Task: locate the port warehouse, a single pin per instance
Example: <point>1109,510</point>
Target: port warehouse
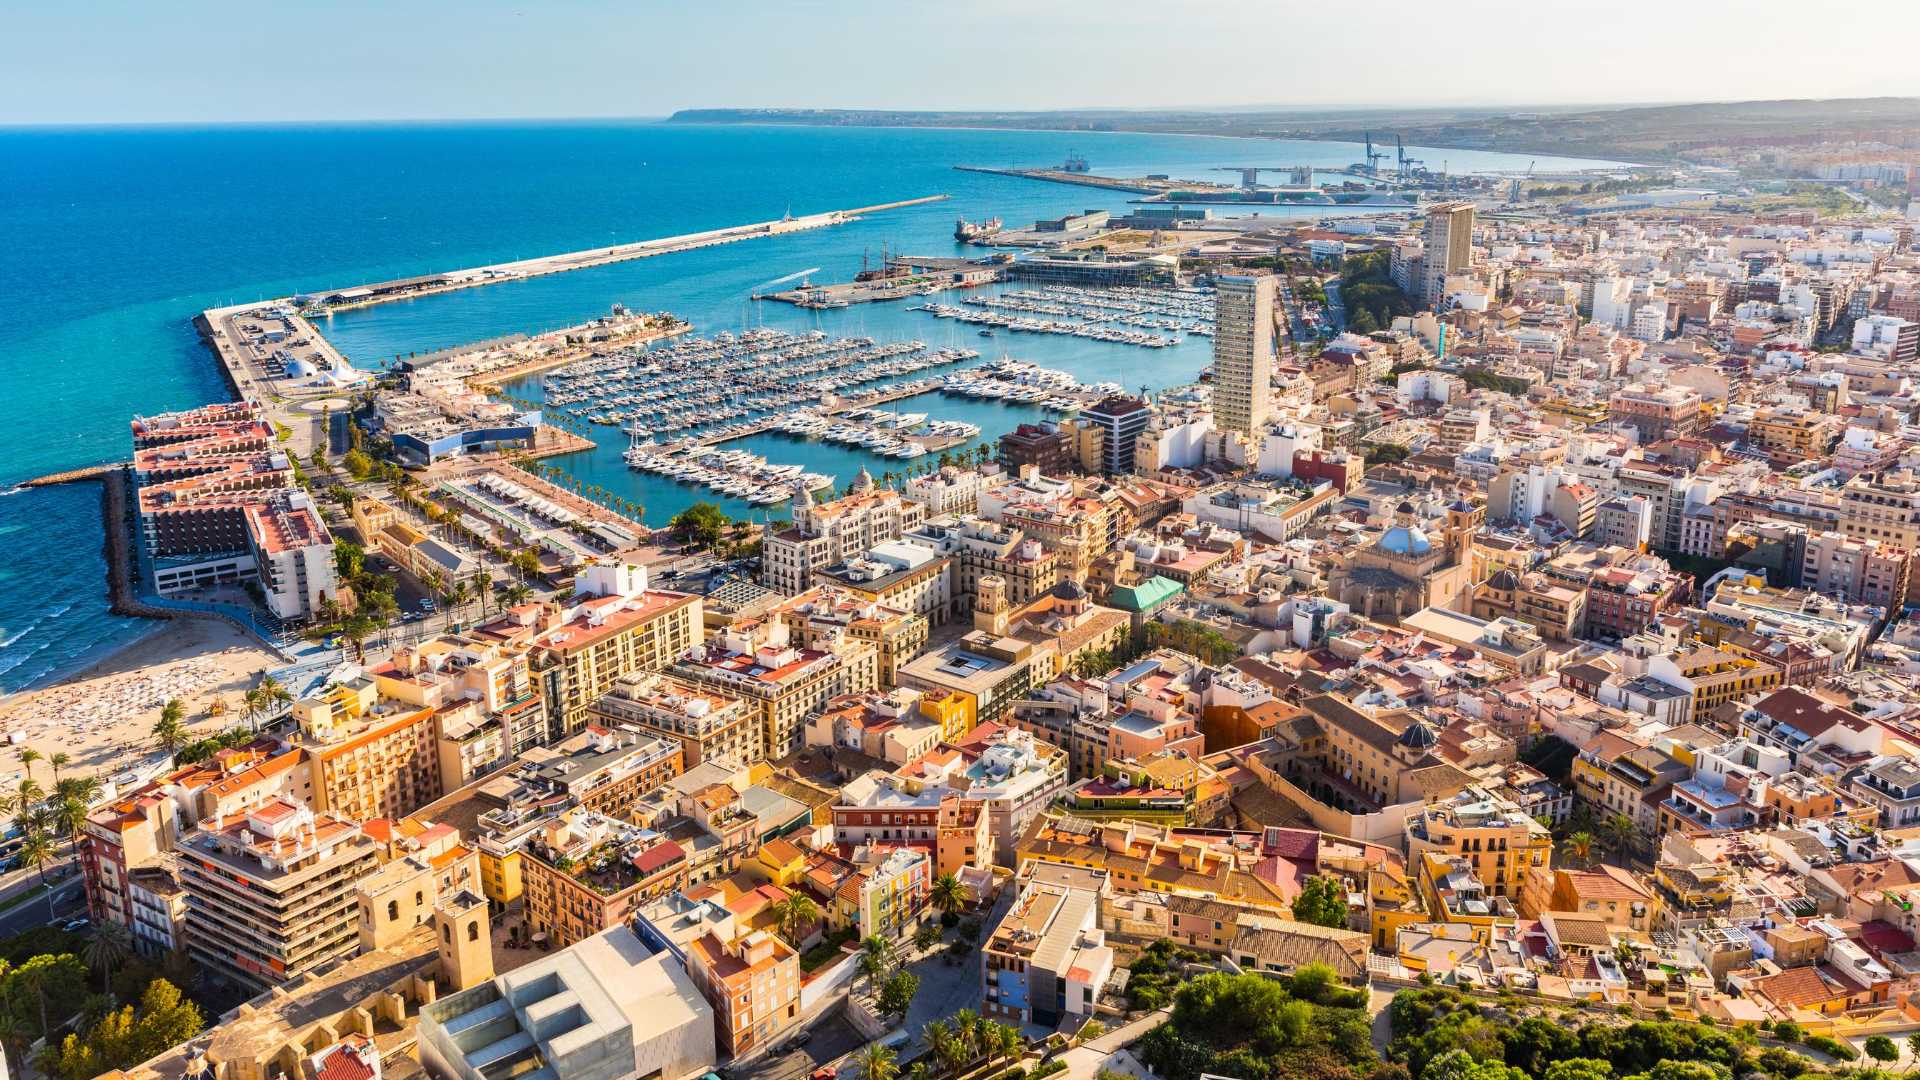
<point>1092,268</point>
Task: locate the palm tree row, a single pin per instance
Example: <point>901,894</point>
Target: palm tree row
<point>967,1038</point>
<point>39,815</point>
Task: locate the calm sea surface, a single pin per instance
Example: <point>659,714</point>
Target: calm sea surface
<point>117,237</point>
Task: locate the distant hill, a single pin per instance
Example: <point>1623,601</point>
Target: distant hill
<point>1640,133</point>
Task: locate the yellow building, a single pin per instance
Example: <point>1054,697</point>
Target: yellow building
<point>1454,894</point>
<point>1502,844</point>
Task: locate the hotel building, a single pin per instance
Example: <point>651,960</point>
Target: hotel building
<point>217,503</point>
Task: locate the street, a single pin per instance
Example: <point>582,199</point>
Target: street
<point>70,899</point>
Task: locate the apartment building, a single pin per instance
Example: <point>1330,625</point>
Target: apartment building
<point>833,532</point>
<point>978,547</point>
<point>1658,412</point>
<point>898,575</point>
<point>706,723</point>
<point>1500,841</point>
<point>1447,249</point>
<point>122,836</point>
<point>1243,352</point>
<point>614,626</point>
<point>825,615</point>
<point>370,756</point>
<point>1047,959</point>
<point>783,684</point>
<point>951,490</point>
<point>1863,571</point>
<point>270,894</point>
<point>1884,507</point>
<point>605,770</point>
<point>1794,431</point>
<point>752,980</point>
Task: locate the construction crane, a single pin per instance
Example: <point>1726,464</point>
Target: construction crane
<point>1297,175</point>
<point>1373,158</point>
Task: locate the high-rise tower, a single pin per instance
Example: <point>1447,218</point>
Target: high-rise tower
<point>1242,352</point>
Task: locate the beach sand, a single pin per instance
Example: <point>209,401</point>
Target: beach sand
<point>102,717</point>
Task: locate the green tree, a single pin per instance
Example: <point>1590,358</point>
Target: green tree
<point>170,731</point>
<point>358,463</point>
<point>1579,1069</point>
<point>1322,902</point>
<point>1881,1048</point>
<point>896,994</point>
<point>701,524</point>
<point>127,1036</point>
<point>349,559</point>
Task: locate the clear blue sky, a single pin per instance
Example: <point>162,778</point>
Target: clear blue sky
<point>88,61</point>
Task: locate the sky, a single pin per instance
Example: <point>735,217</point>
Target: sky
<point>202,61</point>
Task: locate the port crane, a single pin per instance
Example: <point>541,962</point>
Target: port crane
<point>1373,157</point>
<point>1406,163</point>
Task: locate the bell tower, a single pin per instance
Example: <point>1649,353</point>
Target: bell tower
<point>463,933</point>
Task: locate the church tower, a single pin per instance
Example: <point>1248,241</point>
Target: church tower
<point>990,605</point>
<point>464,936</point>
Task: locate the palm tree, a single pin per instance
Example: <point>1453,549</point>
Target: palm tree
<point>108,948</point>
<point>949,895</point>
<point>27,757</point>
<point>35,980</point>
<point>939,1039</point>
<point>170,731</point>
<point>37,851</point>
<point>253,702</point>
<point>71,813</point>
<point>966,1029</point>
<point>796,913</point>
<point>876,1062</point>
<point>1621,832</point>
<point>484,583</point>
<point>273,694</point>
<point>58,760</point>
<point>1578,847</point>
<point>876,960</point>
<point>1011,1044</point>
<point>519,593</point>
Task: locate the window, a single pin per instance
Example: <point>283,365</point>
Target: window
<point>473,930</point>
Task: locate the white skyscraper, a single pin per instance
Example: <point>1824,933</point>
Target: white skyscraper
<point>1243,352</point>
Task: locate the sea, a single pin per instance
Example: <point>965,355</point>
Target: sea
<point>118,236</point>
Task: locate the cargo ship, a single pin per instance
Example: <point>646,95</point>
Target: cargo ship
<point>964,230</point>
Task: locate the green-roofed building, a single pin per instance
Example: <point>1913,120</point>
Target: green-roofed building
<point>1142,600</point>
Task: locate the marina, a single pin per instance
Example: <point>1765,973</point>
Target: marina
<point>697,386</point>
<point>1151,318</point>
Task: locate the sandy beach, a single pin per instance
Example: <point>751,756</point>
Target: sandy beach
<point>102,717</point>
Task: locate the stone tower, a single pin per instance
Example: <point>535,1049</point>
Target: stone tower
<point>990,605</point>
<point>464,936</point>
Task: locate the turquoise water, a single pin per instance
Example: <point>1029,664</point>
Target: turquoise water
<point>118,236</point>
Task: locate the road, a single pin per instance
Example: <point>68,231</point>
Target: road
<point>1336,309</point>
<point>69,899</point>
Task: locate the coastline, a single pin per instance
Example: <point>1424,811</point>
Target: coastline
<point>101,714</point>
